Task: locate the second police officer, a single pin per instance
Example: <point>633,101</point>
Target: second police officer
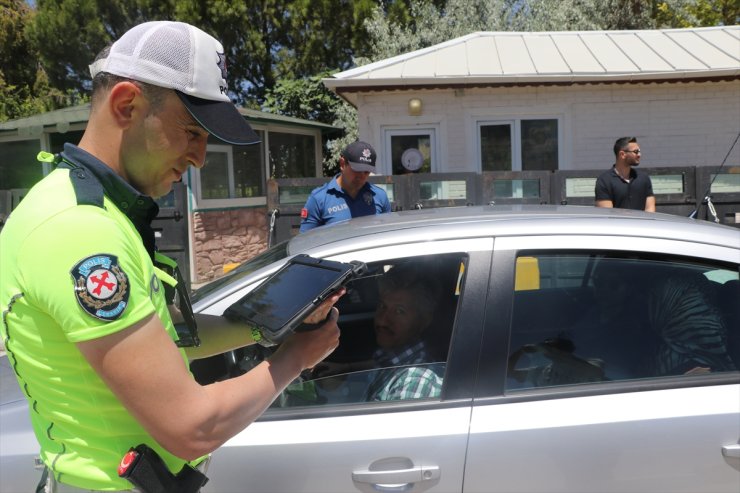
<point>348,194</point>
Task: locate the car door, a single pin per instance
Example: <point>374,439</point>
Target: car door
<point>344,444</point>
<point>577,404</point>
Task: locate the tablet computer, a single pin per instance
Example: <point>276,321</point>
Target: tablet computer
<point>278,306</point>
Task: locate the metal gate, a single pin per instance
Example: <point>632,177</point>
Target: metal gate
<point>171,228</point>
<point>724,190</point>
<point>676,192</point>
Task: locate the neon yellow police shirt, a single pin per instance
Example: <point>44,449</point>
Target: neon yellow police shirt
<point>72,273</point>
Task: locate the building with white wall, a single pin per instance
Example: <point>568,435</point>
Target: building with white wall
<point>502,101</point>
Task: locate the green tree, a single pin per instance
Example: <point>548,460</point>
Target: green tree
<point>698,13</point>
<point>269,41</point>
<point>24,87</point>
<point>716,12</point>
<point>303,98</point>
<point>309,99</point>
<point>430,23</point>
<point>70,33</point>
<point>265,40</point>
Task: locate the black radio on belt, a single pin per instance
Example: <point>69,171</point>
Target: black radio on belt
<point>146,470</point>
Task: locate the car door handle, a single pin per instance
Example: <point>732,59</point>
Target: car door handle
<point>398,476</point>
<point>731,451</point>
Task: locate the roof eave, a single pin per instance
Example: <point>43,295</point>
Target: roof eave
<point>346,87</point>
<point>338,84</point>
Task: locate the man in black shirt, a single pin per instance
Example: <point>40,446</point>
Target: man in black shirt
<point>622,186</point>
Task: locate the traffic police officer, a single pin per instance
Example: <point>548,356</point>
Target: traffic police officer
<point>348,194</point>
<point>86,324</point>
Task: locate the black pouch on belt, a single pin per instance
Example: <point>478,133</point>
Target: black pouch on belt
<point>146,470</point>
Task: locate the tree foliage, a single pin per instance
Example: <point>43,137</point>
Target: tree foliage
<point>70,33</point>
<point>698,13</point>
<point>265,40</point>
<point>309,99</point>
<point>24,86</point>
<point>278,50</point>
<point>430,23</point>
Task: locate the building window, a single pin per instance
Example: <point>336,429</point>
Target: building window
<point>236,176</point>
<point>217,176</point>
<point>496,151</point>
<point>292,155</point>
<point>19,167</point>
<point>410,151</point>
<point>233,176</point>
<point>57,140</point>
<point>519,145</point>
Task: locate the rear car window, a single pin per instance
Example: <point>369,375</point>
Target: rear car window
<point>587,318</point>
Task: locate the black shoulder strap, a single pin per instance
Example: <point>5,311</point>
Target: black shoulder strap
<point>88,189</point>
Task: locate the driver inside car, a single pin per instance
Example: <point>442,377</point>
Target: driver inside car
<point>408,297</point>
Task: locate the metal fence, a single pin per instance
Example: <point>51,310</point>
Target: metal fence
<point>680,191</point>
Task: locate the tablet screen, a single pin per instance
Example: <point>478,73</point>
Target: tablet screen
<point>289,291</point>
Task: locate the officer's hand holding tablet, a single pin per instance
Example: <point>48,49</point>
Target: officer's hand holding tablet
<point>298,297</point>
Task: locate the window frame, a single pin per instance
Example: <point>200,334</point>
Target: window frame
<point>468,326</point>
<point>450,258</point>
<point>385,164</point>
<point>495,344</point>
<point>316,134</point>
<point>193,177</point>
<point>202,203</point>
<point>515,124</point>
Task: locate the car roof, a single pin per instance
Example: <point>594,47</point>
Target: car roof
<point>506,220</point>
<point>452,223</point>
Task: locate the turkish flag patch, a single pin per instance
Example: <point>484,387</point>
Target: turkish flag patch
<point>304,213</point>
<point>101,286</point>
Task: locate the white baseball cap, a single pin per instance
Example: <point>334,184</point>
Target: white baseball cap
<point>179,56</point>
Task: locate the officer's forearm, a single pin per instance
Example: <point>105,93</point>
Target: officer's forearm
<point>218,335</point>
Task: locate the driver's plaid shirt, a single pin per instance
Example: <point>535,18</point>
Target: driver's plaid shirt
<point>400,379</point>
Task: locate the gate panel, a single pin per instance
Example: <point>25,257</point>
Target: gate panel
<point>723,186</point>
<point>429,190</point>
<point>171,228</point>
<point>674,189</point>
<point>515,187</point>
<point>285,199</point>
<point>574,187</point>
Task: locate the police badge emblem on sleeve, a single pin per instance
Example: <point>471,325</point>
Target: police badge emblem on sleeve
<point>101,286</point>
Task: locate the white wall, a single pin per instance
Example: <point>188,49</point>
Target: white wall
<point>676,124</point>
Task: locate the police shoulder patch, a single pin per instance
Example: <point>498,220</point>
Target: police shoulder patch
<point>101,286</point>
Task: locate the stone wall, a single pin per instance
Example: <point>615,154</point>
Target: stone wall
<point>224,237</point>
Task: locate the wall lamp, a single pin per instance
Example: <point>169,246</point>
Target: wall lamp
<point>415,107</point>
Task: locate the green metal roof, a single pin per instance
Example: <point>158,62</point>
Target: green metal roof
<point>81,113</point>
<point>74,114</point>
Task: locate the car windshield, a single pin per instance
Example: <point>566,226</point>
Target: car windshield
<point>278,252</point>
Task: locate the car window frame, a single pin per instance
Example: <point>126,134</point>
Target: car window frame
<point>492,367</point>
<point>462,357</point>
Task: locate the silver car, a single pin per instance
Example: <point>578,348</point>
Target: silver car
<point>580,350</point>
